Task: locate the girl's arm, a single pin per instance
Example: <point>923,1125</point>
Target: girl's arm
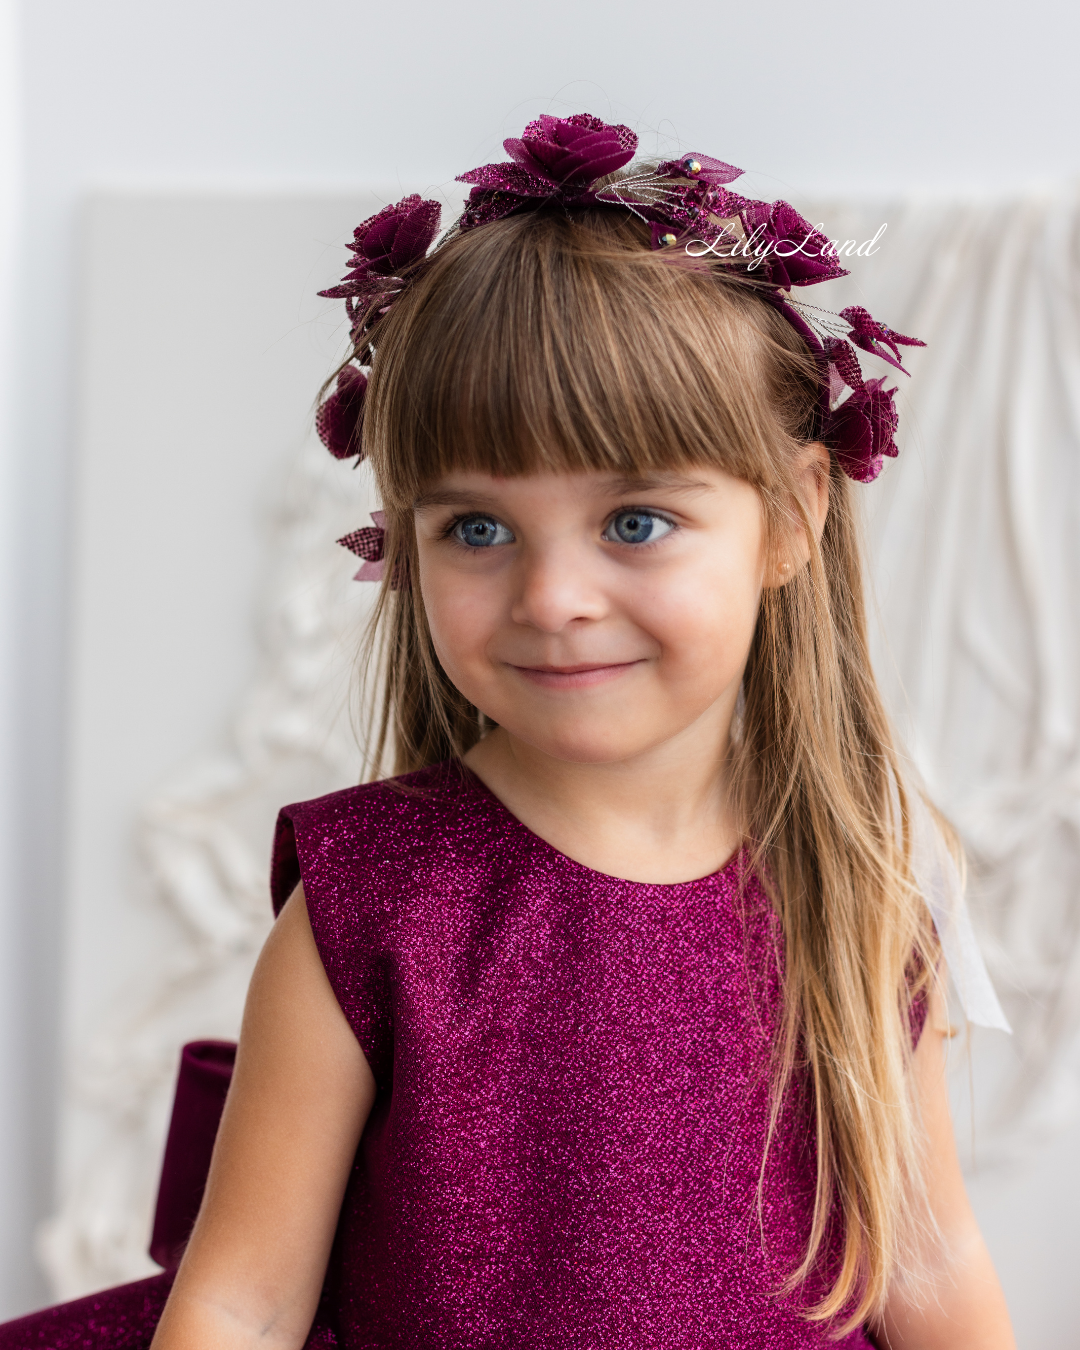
<point>300,1095</point>
<point>965,1307</point>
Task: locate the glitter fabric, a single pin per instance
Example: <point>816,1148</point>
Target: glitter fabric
<point>568,1135</point>
<point>567,1140</point>
<point>116,1319</point>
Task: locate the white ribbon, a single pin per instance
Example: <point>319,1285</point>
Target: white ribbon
<point>938,878</point>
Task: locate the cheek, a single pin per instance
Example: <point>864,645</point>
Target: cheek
<point>703,621</point>
<point>462,616</point>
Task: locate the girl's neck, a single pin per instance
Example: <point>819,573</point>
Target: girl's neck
<point>661,817</point>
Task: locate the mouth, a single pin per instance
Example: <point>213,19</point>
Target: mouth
<point>580,676</point>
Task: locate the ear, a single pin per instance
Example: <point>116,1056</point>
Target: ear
<point>793,551</point>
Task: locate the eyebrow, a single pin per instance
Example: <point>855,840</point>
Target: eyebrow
<point>618,486</point>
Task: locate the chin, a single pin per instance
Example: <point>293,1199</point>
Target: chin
<point>585,745</point>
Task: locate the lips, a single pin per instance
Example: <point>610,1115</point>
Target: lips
<point>580,676</point>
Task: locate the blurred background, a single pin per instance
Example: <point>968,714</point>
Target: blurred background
<point>177,628</point>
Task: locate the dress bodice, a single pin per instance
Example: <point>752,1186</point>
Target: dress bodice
<point>573,1087</point>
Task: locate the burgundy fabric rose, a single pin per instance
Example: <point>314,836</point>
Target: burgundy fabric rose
<point>862,430</point>
<point>340,419</point>
<point>383,246</point>
<point>385,243</point>
<point>874,337</point>
<point>793,253</point>
<point>573,150</point>
<point>555,157</point>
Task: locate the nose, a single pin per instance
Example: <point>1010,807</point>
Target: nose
<point>556,587</point>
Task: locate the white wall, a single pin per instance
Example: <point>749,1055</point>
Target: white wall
<point>185,434</point>
<point>328,94</point>
<point>20,1040</point>
<point>187,439</point>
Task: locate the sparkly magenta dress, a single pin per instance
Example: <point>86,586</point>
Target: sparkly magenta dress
<point>567,1141</point>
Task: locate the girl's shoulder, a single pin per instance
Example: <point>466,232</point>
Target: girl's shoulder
<point>386,828</point>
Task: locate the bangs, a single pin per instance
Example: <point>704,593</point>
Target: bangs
<point>552,341</point>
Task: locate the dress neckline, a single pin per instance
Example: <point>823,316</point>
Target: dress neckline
<point>734,864</point>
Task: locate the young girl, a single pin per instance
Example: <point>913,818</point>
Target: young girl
<point>615,1020</point>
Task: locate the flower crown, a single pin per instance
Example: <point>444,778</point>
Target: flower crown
<point>685,202</point>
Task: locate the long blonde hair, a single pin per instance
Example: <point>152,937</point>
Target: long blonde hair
<point>559,340</point>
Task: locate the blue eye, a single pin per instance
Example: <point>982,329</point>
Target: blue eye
<point>481,532</point>
<point>637,527</point>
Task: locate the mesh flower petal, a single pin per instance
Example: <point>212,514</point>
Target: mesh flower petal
<point>415,234</point>
<point>499,190</point>
<point>708,170</point>
<point>369,543</point>
<point>485,206</point>
<point>506,177</point>
<point>572,150</point>
<point>374,248</point>
<point>862,430</point>
<point>357,283</point>
<point>874,337</point>
<point>340,419</point>
<point>842,355</point>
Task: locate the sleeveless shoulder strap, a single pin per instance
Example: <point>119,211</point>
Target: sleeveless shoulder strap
<point>358,853</point>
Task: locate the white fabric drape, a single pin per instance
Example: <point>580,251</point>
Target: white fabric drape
<point>975,550</point>
<point>975,553</point>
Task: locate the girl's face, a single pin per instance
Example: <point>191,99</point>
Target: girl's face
<point>592,616</point>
